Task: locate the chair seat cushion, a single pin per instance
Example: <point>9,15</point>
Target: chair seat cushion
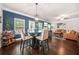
<point>28,37</point>
<point>39,37</point>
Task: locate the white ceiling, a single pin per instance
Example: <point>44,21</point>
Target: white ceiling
<point>47,11</point>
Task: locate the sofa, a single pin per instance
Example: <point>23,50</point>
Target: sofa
<point>59,32</point>
<point>72,35</point>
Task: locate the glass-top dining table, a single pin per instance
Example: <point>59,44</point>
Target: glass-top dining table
<point>35,41</point>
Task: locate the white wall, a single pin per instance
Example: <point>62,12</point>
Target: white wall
<point>73,24</point>
<point>0,23</point>
<point>70,24</point>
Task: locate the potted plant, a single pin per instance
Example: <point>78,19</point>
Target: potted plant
<point>7,25</point>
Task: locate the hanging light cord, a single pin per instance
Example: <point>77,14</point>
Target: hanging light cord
<point>36,8</point>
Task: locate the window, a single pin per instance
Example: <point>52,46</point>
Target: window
<point>31,26</point>
<point>45,24</point>
<point>49,26</point>
<point>19,25</point>
<point>39,27</point>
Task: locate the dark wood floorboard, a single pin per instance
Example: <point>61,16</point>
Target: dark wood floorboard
<point>56,47</point>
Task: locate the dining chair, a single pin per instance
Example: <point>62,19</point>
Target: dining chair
<point>44,40</point>
<point>26,41</point>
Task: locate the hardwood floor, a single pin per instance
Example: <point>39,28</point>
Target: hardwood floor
<point>56,47</point>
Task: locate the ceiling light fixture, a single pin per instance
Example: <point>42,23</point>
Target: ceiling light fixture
<point>62,17</point>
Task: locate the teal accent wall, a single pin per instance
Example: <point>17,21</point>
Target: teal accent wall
<point>8,20</point>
